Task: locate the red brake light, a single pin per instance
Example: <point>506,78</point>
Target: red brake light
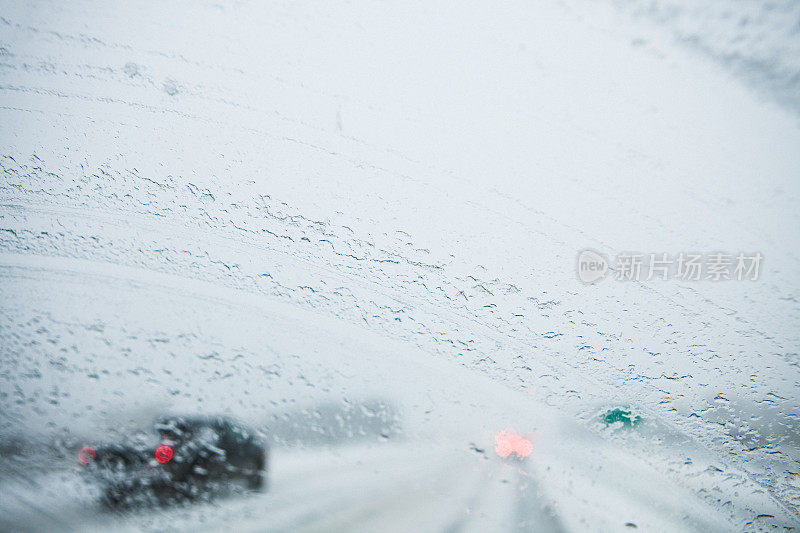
<point>86,455</point>
<point>163,454</point>
<point>508,442</point>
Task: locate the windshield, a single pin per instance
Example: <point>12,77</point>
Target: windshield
<point>418,266</point>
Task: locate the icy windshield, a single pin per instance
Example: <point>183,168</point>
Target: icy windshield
<point>417,266</point>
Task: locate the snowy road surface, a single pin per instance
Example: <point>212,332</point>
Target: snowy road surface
<point>263,208</point>
<point>430,489</point>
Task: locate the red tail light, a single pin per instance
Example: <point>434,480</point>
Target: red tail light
<point>508,442</point>
<point>163,454</point>
<point>86,455</point>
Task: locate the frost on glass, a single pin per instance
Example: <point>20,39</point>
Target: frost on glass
<point>351,233</point>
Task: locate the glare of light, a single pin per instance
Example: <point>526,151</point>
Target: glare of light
<point>507,442</point>
<point>163,454</point>
<point>86,455</point>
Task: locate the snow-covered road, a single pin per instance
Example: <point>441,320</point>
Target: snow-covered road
<point>264,207</point>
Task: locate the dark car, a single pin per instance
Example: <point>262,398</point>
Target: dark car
<point>194,457</point>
